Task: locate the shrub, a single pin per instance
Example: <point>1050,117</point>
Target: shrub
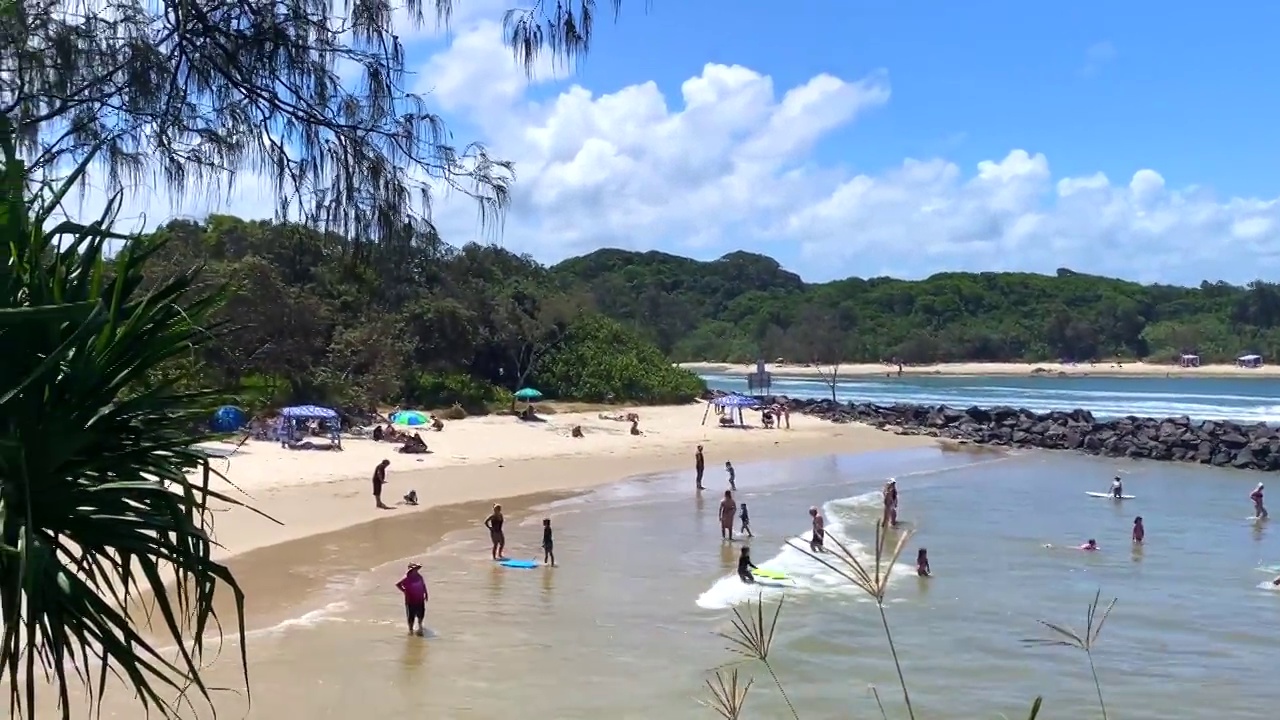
<point>444,390</point>
<point>600,360</point>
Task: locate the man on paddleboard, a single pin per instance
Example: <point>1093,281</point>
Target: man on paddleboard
<point>1117,488</point>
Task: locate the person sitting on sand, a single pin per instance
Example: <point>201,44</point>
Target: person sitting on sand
<point>377,433</point>
<point>635,427</point>
<point>1090,546</point>
<point>728,509</point>
<point>496,536</point>
<point>922,563</point>
<point>414,587</point>
<point>414,446</point>
<point>436,423</point>
<point>745,566</point>
<point>819,533</point>
<point>411,498</point>
<point>1139,531</point>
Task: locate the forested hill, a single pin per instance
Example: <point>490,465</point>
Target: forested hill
<point>743,306</point>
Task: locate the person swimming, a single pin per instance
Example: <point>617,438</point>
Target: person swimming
<point>922,563</point>
<point>1259,510</point>
<point>745,566</point>
<point>1117,488</point>
<point>1139,531</point>
<point>1090,546</point>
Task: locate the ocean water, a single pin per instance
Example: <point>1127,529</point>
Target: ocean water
<point>627,626</point>
<point>1240,399</point>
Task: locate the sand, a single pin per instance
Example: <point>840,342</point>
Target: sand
<point>980,369</point>
<point>496,458</point>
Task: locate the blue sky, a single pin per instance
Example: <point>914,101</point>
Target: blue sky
<point>866,138</point>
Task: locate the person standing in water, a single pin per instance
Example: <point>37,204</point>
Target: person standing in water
<point>699,465</point>
<point>414,587</point>
<point>1259,511</point>
<point>728,467</point>
<point>819,533</point>
<point>922,563</point>
<point>890,516</point>
<point>728,511</point>
<point>745,566</point>
<point>746,522</point>
<point>548,545</point>
<point>496,536</point>
<point>1139,532</point>
<point>380,479</point>
<point>1117,488</point>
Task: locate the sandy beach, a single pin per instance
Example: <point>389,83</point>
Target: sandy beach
<point>495,458</point>
<point>978,369</point>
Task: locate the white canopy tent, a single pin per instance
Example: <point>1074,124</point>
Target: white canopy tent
<point>1189,361</point>
<point>1249,361</point>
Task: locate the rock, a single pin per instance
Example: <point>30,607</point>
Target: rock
<point>1180,439</point>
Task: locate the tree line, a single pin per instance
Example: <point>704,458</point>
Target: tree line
<point>308,318</point>
<point>744,306</point>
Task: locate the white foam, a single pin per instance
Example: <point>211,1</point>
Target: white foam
<point>1268,585</point>
<point>309,619</point>
<point>805,574</point>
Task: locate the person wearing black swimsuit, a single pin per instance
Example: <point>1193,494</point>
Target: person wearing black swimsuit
<point>494,523</point>
<point>745,566</point>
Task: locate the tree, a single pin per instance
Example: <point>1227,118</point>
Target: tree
<point>817,335</point>
<point>104,496</point>
<point>191,93</point>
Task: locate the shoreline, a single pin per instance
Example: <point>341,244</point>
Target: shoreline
<point>333,522</point>
<point>982,369</point>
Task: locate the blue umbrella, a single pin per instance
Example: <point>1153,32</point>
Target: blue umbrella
<point>527,394</point>
<point>410,417</point>
<point>735,400</point>
<point>227,418</point>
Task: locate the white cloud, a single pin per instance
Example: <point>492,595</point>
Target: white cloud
<point>732,162</point>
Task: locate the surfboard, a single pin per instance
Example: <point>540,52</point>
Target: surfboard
<point>770,574</point>
<point>521,564</point>
<point>1109,496</point>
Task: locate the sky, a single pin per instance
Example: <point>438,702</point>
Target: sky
<point>873,137</point>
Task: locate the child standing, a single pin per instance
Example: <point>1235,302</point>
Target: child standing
<point>548,545</point>
<point>746,521</point>
<point>922,563</point>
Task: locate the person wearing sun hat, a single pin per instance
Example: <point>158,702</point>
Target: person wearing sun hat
<point>414,587</point>
<point>1259,510</point>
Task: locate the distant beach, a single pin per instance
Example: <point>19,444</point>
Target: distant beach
<point>980,369</point>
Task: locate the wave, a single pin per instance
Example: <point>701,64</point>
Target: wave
<point>805,574</point>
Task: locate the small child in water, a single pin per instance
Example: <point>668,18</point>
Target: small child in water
<point>548,546</point>
<point>745,566</point>
<point>746,521</point>
<point>1090,546</point>
<point>922,563</point>
<point>1139,532</point>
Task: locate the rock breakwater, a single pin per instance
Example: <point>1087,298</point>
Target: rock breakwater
<point>1209,442</point>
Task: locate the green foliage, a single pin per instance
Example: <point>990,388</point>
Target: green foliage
<point>443,390</point>
<point>421,323</point>
<point>600,359</point>
<point>743,307</point>
<point>104,498</point>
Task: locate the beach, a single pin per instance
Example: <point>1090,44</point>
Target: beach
<point>626,625</point>
<point>306,493</point>
<point>1133,369</point>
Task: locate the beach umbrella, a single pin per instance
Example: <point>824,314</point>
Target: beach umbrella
<point>410,417</point>
<point>227,418</point>
<point>527,394</point>
<point>735,401</point>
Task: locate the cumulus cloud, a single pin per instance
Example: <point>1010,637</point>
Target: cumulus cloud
<point>731,161</point>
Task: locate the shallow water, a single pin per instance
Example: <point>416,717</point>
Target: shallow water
<point>626,626</point>
<point>1244,399</point>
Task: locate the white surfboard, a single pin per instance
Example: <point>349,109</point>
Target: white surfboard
<point>1109,495</point>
